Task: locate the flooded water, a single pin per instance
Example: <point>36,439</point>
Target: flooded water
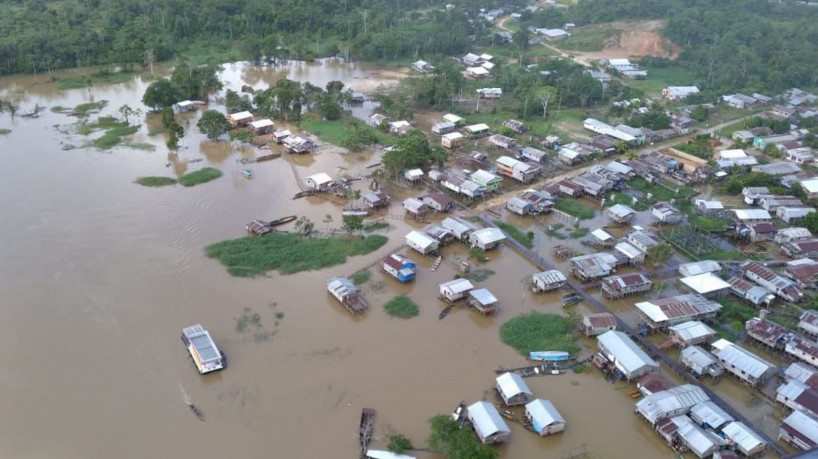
<point>98,275</point>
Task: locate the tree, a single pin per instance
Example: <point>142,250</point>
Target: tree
<point>660,254</point>
<point>521,38</point>
<point>161,93</point>
<point>811,222</point>
<point>413,151</point>
<point>700,113</point>
<point>236,102</point>
<point>353,223</point>
<point>213,124</point>
<point>398,443</point>
<point>329,108</point>
<point>544,95</point>
<point>451,441</point>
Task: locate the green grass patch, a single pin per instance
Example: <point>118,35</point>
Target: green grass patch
<point>554,231</point>
<point>660,78</point>
<point>140,146</point>
<point>5,131</point>
<point>83,110</point>
<point>735,313</point>
<point>156,181</point>
<point>113,137</point>
<point>288,253</point>
<point>479,275</point>
<point>398,443</point>
<point>622,198</point>
<point>575,208</point>
<point>402,307</point>
<point>102,123</point>
<point>102,77</point>
<point>526,239</point>
<point>201,176</point>
<point>337,132</point>
<point>579,232</point>
<point>361,277</point>
<point>537,331</point>
<point>375,226</point>
<point>592,38</point>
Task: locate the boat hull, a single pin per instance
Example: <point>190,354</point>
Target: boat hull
<point>549,356</point>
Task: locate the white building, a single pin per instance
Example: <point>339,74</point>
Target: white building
<point>544,417</point>
<point>513,390</point>
<point>625,355</point>
<point>487,423</point>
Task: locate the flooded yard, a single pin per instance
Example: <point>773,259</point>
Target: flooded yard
<point>99,275</point>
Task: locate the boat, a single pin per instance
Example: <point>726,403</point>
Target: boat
<point>247,173</point>
<point>302,194</point>
<point>348,294</point>
<point>381,454</point>
<point>548,356</point>
<point>282,220</point>
<point>268,157</point>
<point>355,213</point>
<point>258,227</point>
<point>460,412</point>
<point>203,350</point>
<point>445,312</point>
<point>572,299</point>
<point>366,428</point>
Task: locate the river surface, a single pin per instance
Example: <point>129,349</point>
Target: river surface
<point>98,275</point>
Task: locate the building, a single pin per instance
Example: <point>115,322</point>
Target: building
<point>802,373</point>
<point>642,239</point>
<point>501,141</point>
<point>533,154</point>
<point>691,333</point>
<point>183,107</point>
<point>463,186</point>
<point>807,248</point>
<point>803,349</point>
<point>628,358</point>
<point>400,267</point>
<point>679,92</point>
<point>773,282</point>
<point>452,118</point>
<point>742,363</point>
<point>792,234</point>
<point>487,423</point>
<point>709,415</point>
<point>771,203</point>
<point>455,290</point>
<point>298,145</point>
<point>548,280</point>
<point>743,439</point>
<point>682,431</point>
<point>763,231</point>
<point>514,125</point>
<point>593,266</point>
<point>750,216</point>
<point>451,140</point>
<point>606,129</point>
<point>754,294</point>
<point>602,238</point>
<point>768,333</point>
<point>792,214</point>
<point>597,324</point>
<point>519,206</point>
<point>672,402</point>
<point>798,396</point>
<point>486,238</point>
<point>513,390</point>
<point>664,312</point>
<point>459,227</point>
<point>483,300</point>
<point>263,126</point>
<point>666,213</point>
<point>279,136</point>
<point>777,168</point>
<point>486,180</point>
<point>627,253</point>
<point>699,267</point>
<point>319,182</point>
<point>739,101</point>
<point>415,207</point>
<point>400,127</point>
<point>479,72</point>
<point>240,119</point>
<point>477,130</point>
<point>601,77</point>
<point>800,430</point>
<point>618,286</point>
<point>621,214</point>
<point>439,233</point>
<point>438,201</point>
<point>700,362</point>
<point>518,170</point>
<point>808,323</point>
<point>490,93</point>
<point>422,242</point>
<point>422,66</point>
<point>376,200</point>
<point>707,285</point>
<point>544,417</point>
<point>709,208</point>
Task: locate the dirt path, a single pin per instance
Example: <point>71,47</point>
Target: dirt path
<point>502,24</point>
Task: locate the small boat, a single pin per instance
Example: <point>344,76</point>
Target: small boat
<point>355,213</point>
<point>548,356</point>
<point>196,411</point>
<point>445,312</point>
<point>247,173</point>
<point>380,454</point>
<point>282,220</point>
<point>570,300</point>
<point>302,194</point>
<point>268,157</point>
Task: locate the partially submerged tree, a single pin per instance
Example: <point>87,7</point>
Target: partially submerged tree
<point>451,441</point>
<point>213,124</point>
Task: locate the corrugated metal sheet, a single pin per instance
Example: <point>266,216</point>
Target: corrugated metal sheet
<point>511,384</point>
<point>699,267</point>
<point>742,436</point>
<point>804,425</point>
<point>705,283</point>
<point>741,358</point>
<point>483,296</point>
<point>544,413</point>
<point>486,420</point>
<point>710,413</point>
<point>701,443</point>
<point>692,330</point>
<point>670,402</point>
<point>628,357</point>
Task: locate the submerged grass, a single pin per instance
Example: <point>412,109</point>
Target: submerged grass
<point>5,131</point>
<point>113,137</point>
<point>361,277</point>
<point>288,253</point>
<point>102,123</point>
<point>402,307</point>
<point>575,208</point>
<point>516,233</point>
<point>156,181</point>
<point>539,332</point>
<point>201,176</point>
<point>103,77</point>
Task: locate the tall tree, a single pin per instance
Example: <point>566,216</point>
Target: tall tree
<point>213,124</point>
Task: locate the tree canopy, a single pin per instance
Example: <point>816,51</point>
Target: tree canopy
<point>213,124</point>
<point>413,151</point>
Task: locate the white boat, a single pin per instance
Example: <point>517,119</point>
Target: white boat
<point>549,356</point>
<point>355,213</point>
<point>380,454</point>
<point>203,350</point>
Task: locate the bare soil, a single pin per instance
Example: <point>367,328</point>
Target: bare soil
<point>637,39</point>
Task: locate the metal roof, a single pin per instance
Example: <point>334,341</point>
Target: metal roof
<point>692,330</point>
<point>552,276</point>
<point>701,443</point>
<point>671,401</point>
<point>320,178</point>
<point>698,357</point>
<point>621,210</point>
<point>486,177</point>
<point>486,419</point>
<point>705,283</point>
<point>519,203</point>
<point>457,285</point>
<point>710,413</point>
<point>457,225</point>
<point>742,435</point>
<point>478,127</point>
<point>488,235</point>
<point>677,307</point>
<point>801,372</point>
<point>544,412</point>
<point>741,358</point>
<point>803,424</point>
<point>380,454</point>
<point>202,342</point>
<point>511,384</point>
<point>628,249</point>
<point>699,267</point>
<point>628,356</point>
<point>241,115</point>
<point>752,214</point>
<point>601,234</point>
<point>413,204</point>
<point>483,296</point>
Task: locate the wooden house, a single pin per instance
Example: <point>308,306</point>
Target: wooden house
<point>513,390</point>
<point>621,214</point>
<point>518,170</point>
<point>422,243</point>
<point>376,200</point>
<point>486,238</point>
<point>439,233</point>
<point>451,140</point>
<point>504,142</point>
<point>618,286</point>
<point>240,119</point>
<point>415,207</point>
<point>262,126</point>
<point>487,423</point>
<point>483,300</point>
<point>320,182</point>
<point>597,324</point>
<point>514,125</point>
<point>400,267</point>
<point>443,127</point>
<point>742,363</point>
<point>519,206</point>
<point>377,120</point>
<point>399,128</point>
<point>279,136</point>
<point>691,333</point>
<point>184,106</point>
<point>438,201</point>
<point>455,290</point>
<point>700,362</point>
<point>461,228</point>
<point>544,417</point>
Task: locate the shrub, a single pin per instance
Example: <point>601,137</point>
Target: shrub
<point>201,176</point>
<point>401,306</point>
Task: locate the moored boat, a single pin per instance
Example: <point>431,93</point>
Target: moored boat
<point>548,356</point>
<point>283,220</point>
<point>459,413</point>
<point>203,350</point>
<point>355,213</point>
<point>268,157</point>
<point>247,173</point>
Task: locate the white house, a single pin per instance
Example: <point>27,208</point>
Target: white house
<point>513,390</point>
<point>421,242</point>
<point>544,417</point>
<point>456,289</point>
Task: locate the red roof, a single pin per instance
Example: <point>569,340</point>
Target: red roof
<point>764,228</point>
<point>602,320</point>
<point>765,330</point>
<point>654,382</point>
<point>440,198</point>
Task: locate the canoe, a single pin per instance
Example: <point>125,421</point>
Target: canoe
<point>355,213</point>
<point>302,194</point>
<point>282,220</point>
<point>247,173</point>
<point>366,428</point>
<point>445,312</point>
<point>548,356</point>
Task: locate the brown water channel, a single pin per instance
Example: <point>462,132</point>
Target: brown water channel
<point>98,275</point>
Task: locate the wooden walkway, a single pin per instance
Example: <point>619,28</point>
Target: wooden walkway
<point>651,348</point>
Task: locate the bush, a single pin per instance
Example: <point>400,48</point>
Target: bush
<point>401,306</point>
<point>201,176</point>
<point>398,443</point>
<point>451,441</point>
<point>539,332</point>
<point>575,208</point>
<point>361,277</point>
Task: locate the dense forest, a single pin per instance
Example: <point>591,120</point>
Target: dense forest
<point>755,45</point>
<point>40,36</point>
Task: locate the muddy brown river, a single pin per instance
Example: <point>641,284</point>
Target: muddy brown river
<point>98,275</point>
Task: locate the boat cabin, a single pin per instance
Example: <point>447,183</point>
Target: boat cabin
<point>203,350</point>
<point>400,267</point>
